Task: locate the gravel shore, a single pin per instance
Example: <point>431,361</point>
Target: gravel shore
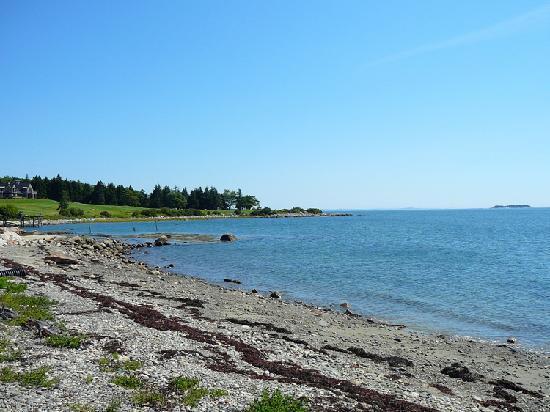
<point>140,322</point>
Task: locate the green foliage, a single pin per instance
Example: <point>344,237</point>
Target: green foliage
<point>191,392</point>
<point>79,407</point>
<point>35,377</point>
<point>182,383</point>
<point>27,307</point>
<point>128,381</point>
<point>148,397</point>
<point>314,211</point>
<point>7,352</point>
<point>113,406</point>
<point>11,287</point>
<point>89,379</point>
<point>105,213</point>
<point>8,211</point>
<point>194,395</point>
<point>65,341</point>
<point>131,365</point>
<point>75,212</point>
<point>297,209</point>
<point>113,363</point>
<point>266,211</point>
<point>277,402</point>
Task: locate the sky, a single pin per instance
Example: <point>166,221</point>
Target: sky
<point>331,104</point>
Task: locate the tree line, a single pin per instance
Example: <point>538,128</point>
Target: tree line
<point>209,198</point>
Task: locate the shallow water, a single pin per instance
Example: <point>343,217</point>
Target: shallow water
<point>480,273</point>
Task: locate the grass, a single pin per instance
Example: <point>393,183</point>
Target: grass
<point>183,383</point>
<point>7,353</point>
<point>79,407</point>
<point>11,287</point>
<point>27,307</point>
<point>35,377</point>
<point>148,397</point>
<point>277,402</point>
<point>113,406</point>
<point>48,208</point>
<point>65,341</point>
<point>128,381</point>
<point>113,363</point>
<point>191,392</point>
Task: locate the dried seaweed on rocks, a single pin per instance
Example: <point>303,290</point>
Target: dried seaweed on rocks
<point>458,371</point>
<point>393,361</point>
<point>281,371</point>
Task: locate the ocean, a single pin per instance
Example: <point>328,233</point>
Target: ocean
<point>483,273</point>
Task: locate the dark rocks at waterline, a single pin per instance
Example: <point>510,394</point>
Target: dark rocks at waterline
<point>228,237</point>
<point>162,241</point>
<point>227,280</point>
<point>511,340</point>
<point>458,371</point>
<point>275,295</point>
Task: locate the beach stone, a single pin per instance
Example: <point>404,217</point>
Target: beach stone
<point>511,340</point>
<point>228,237</point>
<point>345,305</point>
<point>275,295</point>
<point>60,259</point>
<point>161,241</point>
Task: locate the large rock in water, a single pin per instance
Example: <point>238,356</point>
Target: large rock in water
<point>161,241</point>
<point>228,237</point>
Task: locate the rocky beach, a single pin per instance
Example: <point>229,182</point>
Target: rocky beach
<point>110,333</point>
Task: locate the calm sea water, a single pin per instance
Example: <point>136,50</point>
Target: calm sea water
<point>479,273</point>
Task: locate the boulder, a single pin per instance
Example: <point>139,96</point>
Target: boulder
<point>227,280</point>
<point>228,237</point>
<point>274,295</point>
<point>60,259</point>
<point>161,241</point>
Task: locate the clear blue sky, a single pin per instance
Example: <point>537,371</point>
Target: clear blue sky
<point>337,104</point>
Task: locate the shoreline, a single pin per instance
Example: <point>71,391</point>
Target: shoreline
<point>358,361</point>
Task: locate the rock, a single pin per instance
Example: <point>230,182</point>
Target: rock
<point>254,291</point>
<point>41,328</point>
<point>7,314</point>
<point>228,237</point>
<point>161,241</point>
<point>511,340</point>
<point>345,305</point>
<point>60,259</point>
<point>238,282</point>
<point>274,295</point>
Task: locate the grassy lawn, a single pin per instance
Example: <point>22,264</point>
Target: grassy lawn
<point>48,208</point>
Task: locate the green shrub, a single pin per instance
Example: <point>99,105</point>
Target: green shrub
<point>128,381</point>
<point>7,352</point>
<point>65,341</point>
<point>104,213</point>
<point>10,286</point>
<point>297,209</point>
<point>9,212</point>
<point>182,383</point>
<point>277,402</point>
<point>314,211</point>
<point>266,211</point>
<point>27,307</point>
<point>34,377</point>
<point>148,397</point>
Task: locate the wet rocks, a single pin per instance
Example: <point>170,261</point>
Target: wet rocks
<point>161,241</point>
<point>275,295</point>
<point>228,280</point>
<point>228,237</point>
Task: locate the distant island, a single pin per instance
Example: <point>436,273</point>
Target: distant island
<point>509,206</point>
